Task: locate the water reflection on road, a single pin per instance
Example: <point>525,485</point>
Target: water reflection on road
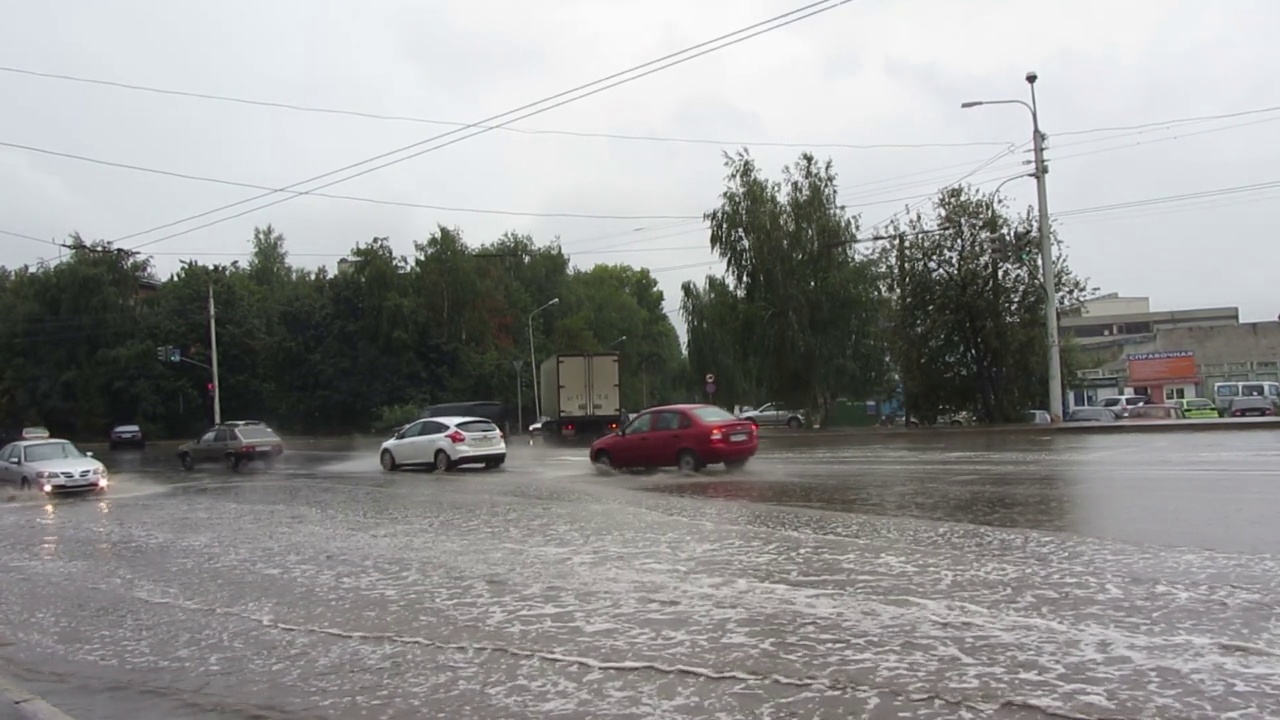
<point>929,575</point>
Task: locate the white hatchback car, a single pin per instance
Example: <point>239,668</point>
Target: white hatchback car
<point>54,466</point>
<point>444,443</point>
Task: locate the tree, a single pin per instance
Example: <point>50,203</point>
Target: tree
<point>804,300</point>
<point>306,350</point>
<point>967,326</point>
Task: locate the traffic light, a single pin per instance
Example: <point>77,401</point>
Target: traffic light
<point>162,353</point>
<point>175,354</point>
<point>210,386</point>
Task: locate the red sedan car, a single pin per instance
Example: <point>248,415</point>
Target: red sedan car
<point>689,437</point>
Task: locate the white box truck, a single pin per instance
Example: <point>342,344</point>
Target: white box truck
<point>580,396</point>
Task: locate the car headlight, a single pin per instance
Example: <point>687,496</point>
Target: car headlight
<point>45,474</point>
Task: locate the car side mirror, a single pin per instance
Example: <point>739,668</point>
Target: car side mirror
<point>89,454</point>
<point>15,461</point>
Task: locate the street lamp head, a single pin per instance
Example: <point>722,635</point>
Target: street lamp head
<point>554,301</point>
<point>970,104</point>
<point>1032,77</point>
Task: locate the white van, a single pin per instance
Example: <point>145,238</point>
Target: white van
<point>1225,392</point>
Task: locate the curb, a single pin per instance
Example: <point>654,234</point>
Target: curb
<point>29,705</point>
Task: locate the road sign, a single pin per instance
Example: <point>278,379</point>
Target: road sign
<point>710,379</point>
<point>710,388</point>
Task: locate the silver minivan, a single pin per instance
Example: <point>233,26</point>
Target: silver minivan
<point>1120,404</point>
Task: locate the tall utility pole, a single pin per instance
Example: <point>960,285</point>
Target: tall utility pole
<point>1046,263</point>
<point>519,398</point>
<point>1046,247</point>
<point>533,358</point>
<point>213,347</point>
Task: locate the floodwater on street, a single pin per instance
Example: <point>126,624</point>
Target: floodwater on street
<point>883,575</point>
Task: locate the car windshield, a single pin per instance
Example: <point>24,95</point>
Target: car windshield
<point>711,413</point>
<point>1201,403</point>
<point>477,426</point>
<point>35,430</point>
<point>128,428</point>
<point>257,433</point>
<point>52,451</point>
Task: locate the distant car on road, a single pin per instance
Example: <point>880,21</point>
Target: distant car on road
<point>234,444</point>
<point>1197,408</point>
<point>1251,407</point>
<point>1154,411</point>
<point>445,443</point>
<point>1037,417</point>
<point>126,436</point>
<point>1091,414</point>
<point>54,466</point>
<point>1121,404</point>
<point>688,437</point>
<point>775,413</point>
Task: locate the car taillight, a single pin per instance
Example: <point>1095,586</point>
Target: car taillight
<point>456,437</point>
<point>717,435</point>
<point>250,448</point>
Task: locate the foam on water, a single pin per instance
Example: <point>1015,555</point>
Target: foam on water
<point>570,595</point>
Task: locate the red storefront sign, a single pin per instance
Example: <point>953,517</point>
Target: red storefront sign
<point>1162,366</point>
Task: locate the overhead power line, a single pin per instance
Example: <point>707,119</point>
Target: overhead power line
<point>331,196</point>
<point>611,81</point>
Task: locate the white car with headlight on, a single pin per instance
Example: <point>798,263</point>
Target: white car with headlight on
<point>445,443</point>
<point>52,466</point>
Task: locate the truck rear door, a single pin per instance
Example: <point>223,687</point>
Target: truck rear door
<point>575,386</point>
<point>604,386</point>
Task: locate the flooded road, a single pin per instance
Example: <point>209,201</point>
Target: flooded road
<point>931,575</point>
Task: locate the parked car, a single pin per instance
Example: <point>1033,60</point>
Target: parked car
<point>774,414</point>
<point>1251,406</point>
<point>445,443</point>
<point>688,437</point>
<point>1091,414</point>
<point>1154,411</point>
<point>1197,408</point>
<point>54,466</point>
<point>234,444</point>
<point>126,436</point>
<point>1120,404</point>
<point>1038,417</point>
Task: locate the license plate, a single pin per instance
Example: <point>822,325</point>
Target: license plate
<point>482,442</point>
<point>737,437</point>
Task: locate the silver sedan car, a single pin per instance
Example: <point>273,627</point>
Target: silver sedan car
<point>52,466</point>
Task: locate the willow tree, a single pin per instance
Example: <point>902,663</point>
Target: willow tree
<point>808,300</point>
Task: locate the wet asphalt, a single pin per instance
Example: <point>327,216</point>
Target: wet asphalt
<point>921,575</point>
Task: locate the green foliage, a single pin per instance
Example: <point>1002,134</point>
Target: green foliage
<point>968,329</point>
<point>795,318</point>
<point>310,351</point>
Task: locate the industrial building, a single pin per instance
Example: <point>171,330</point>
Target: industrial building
<point>1124,347</point>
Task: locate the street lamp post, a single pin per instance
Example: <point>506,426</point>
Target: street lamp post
<point>519,398</point>
<point>533,359</point>
<point>617,342</point>
<point>1046,246</point>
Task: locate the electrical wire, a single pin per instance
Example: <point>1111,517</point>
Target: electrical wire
<point>802,13</point>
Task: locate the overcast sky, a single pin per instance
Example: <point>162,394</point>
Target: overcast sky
<point>872,72</point>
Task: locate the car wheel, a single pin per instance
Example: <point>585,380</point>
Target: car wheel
<point>443,463</point>
<point>187,462</point>
<point>493,465</point>
<point>603,460</point>
<point>388,461</point>
<point>794,423</point>
<point>233,462</point>
<point>956,423</point>
<point>735,464</point>
<point>687,461</point>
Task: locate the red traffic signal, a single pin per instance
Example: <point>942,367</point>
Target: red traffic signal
<point>210,386</point>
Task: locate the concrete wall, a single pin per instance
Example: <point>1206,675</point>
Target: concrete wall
<point>1116,306</point>
<point>1247,342</point>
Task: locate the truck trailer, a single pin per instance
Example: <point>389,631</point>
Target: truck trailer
<point>580,395</point>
